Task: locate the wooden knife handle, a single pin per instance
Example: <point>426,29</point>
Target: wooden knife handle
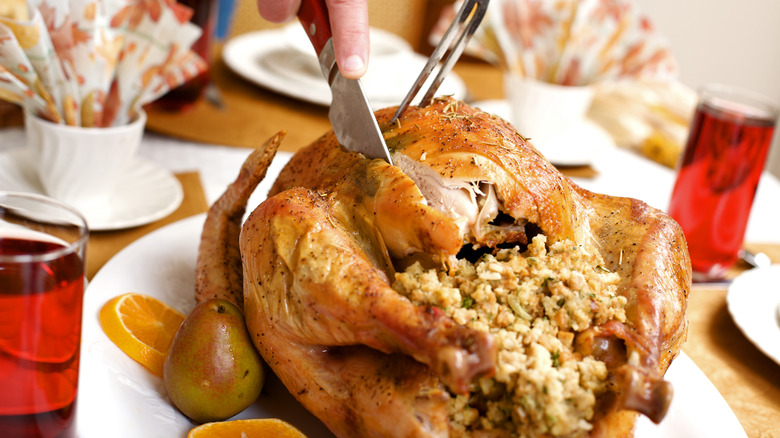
<point>313,15</point>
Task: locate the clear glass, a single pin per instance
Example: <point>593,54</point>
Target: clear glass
<point>42,254</point>
<point>204,14</point>
<point>724,157</point>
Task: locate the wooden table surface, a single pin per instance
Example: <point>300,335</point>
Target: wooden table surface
<point>747,379</point>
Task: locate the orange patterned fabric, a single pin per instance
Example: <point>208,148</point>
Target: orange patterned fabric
<point>95,63</point>
<point>568,42</point>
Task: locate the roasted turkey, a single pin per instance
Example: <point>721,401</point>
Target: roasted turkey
<point>368,287</point>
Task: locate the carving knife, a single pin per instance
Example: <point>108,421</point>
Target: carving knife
<point>350,112</point>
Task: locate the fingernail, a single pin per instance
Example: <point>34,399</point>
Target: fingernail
<point>353,64</point>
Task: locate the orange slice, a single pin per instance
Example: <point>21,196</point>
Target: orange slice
<point>141,326</point>
<point>255,428</point>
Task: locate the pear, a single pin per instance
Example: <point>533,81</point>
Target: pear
<point>213,370</point>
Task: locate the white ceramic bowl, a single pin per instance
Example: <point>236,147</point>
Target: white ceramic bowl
<point>541,110</point>
<point>80,166</point>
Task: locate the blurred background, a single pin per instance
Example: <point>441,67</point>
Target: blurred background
<point>736,43</point>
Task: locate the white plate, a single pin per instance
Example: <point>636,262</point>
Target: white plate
<point>576,146</point>
<point>754,303</point>
<point>274,59</point>
<point>145,193</point>
<point>118,397</point>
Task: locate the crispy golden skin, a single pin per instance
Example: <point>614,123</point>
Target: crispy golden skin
<point>219,273</point>
<point>317,255</point>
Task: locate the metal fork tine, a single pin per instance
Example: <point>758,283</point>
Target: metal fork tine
<point>462,28</point>
<point>455,53</point>
<point>433,60</point>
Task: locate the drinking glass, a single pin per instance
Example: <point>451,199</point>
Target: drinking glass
<point>724,157</point>
<point>42,253</point>
<point>204,14</point>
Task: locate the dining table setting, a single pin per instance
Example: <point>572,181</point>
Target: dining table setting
<point>144,235</point>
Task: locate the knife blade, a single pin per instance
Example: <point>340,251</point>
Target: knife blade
<point>350,112</point>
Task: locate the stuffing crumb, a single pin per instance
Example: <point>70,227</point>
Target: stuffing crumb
<point>533,303</point>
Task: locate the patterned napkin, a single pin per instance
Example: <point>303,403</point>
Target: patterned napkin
<point>568,42</point>
<point>94,63</point>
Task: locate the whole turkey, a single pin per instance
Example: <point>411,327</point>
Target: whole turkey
<point>469,290</point>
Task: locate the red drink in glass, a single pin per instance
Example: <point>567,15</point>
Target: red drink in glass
<point>41,294</point>
<point>723,160</point>
<point>186,94</point>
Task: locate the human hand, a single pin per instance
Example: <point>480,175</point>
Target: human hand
<point>349,24</point>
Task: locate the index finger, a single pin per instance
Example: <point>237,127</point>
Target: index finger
<point>278,11</point>
<point>349,25</point>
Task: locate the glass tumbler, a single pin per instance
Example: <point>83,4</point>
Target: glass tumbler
<point>724,157</point>
<point>42,253</point>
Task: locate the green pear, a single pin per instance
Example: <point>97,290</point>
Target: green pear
<point>213,370</point>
